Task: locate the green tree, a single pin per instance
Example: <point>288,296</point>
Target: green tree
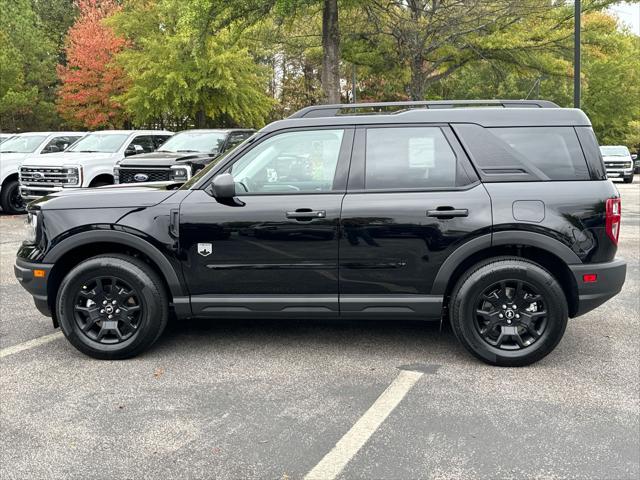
<point>181,74</point>
<point>27,70</point>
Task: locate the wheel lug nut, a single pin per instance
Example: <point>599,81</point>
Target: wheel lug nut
<point>504,307</point>
<point>102,310</point>
<point>110,316</point>
<point>517,315</point>
<point>509,321</point>
<point>501,316</point>
<point>114,302</point>
<point>104,302</point>
<point>117,310</point>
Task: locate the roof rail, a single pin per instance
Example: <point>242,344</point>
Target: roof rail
<point>377,108</point>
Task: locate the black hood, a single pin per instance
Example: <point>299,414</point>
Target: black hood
<point>112,196</point>
<point>166,159</point>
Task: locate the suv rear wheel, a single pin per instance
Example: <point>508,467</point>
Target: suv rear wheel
<point>112,307</point>
<point>508,311</point>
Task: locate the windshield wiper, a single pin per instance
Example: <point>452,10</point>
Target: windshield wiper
<point>8,151</point>
<point>86,151</point>
<point>188,151</point>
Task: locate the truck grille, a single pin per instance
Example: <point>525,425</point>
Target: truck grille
<point>128,175</point>
<point>46,176</point>
<point>621,164</point>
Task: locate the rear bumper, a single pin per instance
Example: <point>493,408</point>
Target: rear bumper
<point>610,278</point>
<point>36,286</point>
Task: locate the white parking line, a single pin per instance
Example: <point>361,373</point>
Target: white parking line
<point>352,441</point>
<point>30,344</point>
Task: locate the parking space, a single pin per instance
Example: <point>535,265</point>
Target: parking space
<point>271,399</point>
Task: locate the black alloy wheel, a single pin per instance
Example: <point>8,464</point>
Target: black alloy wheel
<point>112,306</point>
<point>108,310</point>
<point>510,315</point>
<point>508,311</point>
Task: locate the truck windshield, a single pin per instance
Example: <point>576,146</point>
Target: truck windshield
<point>614,151</point>
<point>26,144</point>
<point>201,142</point>
<point>99,142</point>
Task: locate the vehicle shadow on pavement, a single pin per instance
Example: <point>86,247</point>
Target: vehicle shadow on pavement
<point>404,338</point>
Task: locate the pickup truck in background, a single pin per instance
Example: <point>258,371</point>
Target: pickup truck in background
<point>15,149</point>
<point>181,157</point>
<point>88,163</point>
<point>618,162</point>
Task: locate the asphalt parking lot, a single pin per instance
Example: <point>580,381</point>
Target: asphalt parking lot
<point>271,399</point>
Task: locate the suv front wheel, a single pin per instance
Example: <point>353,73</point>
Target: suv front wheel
<point>508,311</point>
<point>112,307</point>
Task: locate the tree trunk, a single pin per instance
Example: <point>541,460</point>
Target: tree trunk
<point>416,88</point>
<point>330,52</point>
<point>201,119</point>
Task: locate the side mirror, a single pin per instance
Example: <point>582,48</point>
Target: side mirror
<point>223,187</point>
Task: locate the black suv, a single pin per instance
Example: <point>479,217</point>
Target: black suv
<point>500,220</point>
<point>180,157</point>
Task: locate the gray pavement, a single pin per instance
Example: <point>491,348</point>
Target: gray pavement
<point>270,399</point>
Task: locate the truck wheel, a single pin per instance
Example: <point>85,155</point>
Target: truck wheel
<point>508,311</point>
<point>628,179</point>
<point>112,307</point>
<point>10,198</point>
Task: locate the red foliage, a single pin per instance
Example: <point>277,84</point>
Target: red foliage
<point>90,80</point>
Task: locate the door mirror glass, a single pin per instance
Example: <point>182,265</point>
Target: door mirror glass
<point>224,187</point>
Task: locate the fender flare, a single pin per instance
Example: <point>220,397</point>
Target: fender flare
<point>121,238</point>
<point>531,239</point>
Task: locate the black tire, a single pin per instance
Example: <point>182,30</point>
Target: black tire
<point>10,199</point>
<point>628,179</point>
<point>126,284</point>
<point>477,301</point>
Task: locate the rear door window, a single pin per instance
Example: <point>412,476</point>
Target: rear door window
<point>555,151</point>
<point>409,158</point>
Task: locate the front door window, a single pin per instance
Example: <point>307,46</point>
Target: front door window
<point>289,163</point>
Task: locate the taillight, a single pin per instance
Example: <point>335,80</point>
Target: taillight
<point>614,208</point>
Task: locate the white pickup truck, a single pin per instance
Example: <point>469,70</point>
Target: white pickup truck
<point>88,163</point>
<point>14,150</point>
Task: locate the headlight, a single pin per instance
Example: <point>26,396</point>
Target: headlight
<point>31,227</point>
<point>73,176</point>
<point>180,174</point>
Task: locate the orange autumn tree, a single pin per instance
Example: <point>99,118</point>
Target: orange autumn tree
<point>90,81</point>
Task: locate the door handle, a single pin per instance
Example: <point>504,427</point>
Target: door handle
<point>306,214</point>
<point>445,213</point>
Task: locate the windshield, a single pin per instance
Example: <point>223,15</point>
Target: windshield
<point>26,144</point>
<point>614,151</point>
<point>99,142</point>
<point>203,142</point>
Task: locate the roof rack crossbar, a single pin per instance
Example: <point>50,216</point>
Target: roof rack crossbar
<point>351,108</point>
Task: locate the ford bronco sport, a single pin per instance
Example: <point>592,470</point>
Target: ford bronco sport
<point>500,220</point>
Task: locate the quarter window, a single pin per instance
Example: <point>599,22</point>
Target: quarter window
<point>292,162</point>
<point>414,157</point>
<point>554,151</point>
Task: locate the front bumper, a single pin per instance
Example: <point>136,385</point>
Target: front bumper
<point>610,277</point>
<point>619,172</point>
<point>36,286</point>
<point>33,193</point>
